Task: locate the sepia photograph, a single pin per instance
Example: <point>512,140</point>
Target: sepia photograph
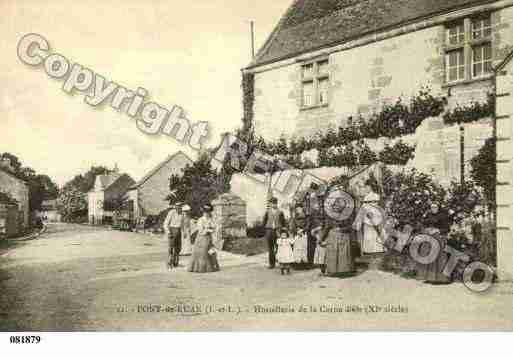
<point>255,166</point>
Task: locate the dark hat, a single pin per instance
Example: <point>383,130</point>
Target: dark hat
<point>284,230</point>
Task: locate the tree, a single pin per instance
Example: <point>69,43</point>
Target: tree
<point>72,200</point>
<point>462,199</point>
<point>198,185</point>
<point>484,170</point>
<point>408,195</point>
<point>40,186</point>
<point>14,160</point>
<point>85,182</point>
<point>72,204</point>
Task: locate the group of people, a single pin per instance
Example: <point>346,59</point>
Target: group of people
<point>310,241</point>
<point>184,238</point>
<point>305,241</point>
<point>297,245</point>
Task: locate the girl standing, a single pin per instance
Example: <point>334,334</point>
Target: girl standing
<point>320,249</point>
<point>284,253</point>
<point>300,247</point>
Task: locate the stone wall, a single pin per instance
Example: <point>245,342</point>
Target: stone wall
<point>230,213</point>
<point>18,190</point>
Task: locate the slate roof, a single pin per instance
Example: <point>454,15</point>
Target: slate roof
<point>309,25</point>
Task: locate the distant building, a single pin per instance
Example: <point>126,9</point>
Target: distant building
<point>49,211</point>
<point>13,215</point>
<point>148,195</point>
<point>108,190</point>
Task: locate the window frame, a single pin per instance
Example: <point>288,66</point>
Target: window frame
<point>315,79</point>
<point>483,61</point>
<point>467,46</point>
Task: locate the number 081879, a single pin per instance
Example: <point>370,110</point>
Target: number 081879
<point>25,339</point>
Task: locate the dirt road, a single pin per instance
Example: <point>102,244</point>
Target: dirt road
<point>85,278</point>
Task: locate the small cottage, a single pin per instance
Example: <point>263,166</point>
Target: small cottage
<point>149,194</point>
<point>109,189</point>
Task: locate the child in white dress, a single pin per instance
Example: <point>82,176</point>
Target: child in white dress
<point>284,253</point>
<point>300,247</point>
<point>320,250</point>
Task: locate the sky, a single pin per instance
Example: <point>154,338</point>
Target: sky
<point>186,53</point>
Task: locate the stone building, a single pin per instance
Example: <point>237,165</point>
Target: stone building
<point>332,60</point>
<point>49,210</point>
<point>108,189</point>
<point>149,194</point>
<point>329,60</point>
<point>18,190</point>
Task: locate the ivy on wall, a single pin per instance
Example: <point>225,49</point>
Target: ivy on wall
<point>472,112</point>
<point>248,100</point>
<point>336,147</point>
<point>394,120</point>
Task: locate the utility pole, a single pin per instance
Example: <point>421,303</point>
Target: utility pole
<point>462,153</point>
<point>252,29</point>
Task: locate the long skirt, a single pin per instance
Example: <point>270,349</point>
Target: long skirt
<point>371,240</point>
<point>338,252</point>
<point>433,272</point>
<point>186,243</point>
<point>201,260</point>
<point>320,255</point>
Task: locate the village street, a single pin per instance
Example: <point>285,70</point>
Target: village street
<point>85,278</point>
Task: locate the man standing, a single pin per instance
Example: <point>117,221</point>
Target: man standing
<point>274,221</point>
<point>173,229</point>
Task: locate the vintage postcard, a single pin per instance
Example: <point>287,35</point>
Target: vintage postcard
<point>273,165</point>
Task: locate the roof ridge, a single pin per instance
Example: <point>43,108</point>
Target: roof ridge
<point>157,168</point>
<point>310,25</point>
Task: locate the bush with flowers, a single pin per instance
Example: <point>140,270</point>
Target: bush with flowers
<point>408,195</point>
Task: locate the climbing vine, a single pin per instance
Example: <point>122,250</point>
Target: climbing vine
<point>472,112</point>
<point>248,99</point>
<point>345,145</point>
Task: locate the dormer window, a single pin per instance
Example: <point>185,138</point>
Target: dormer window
<point>315,83</point>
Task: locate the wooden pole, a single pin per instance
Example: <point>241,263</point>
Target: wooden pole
<point>462,153</point>
<point>252,26</point>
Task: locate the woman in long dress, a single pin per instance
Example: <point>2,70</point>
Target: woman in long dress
<point>204,257</point>
<point>339,259</point>
<point>368,221</point>
<point>436,224</point>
